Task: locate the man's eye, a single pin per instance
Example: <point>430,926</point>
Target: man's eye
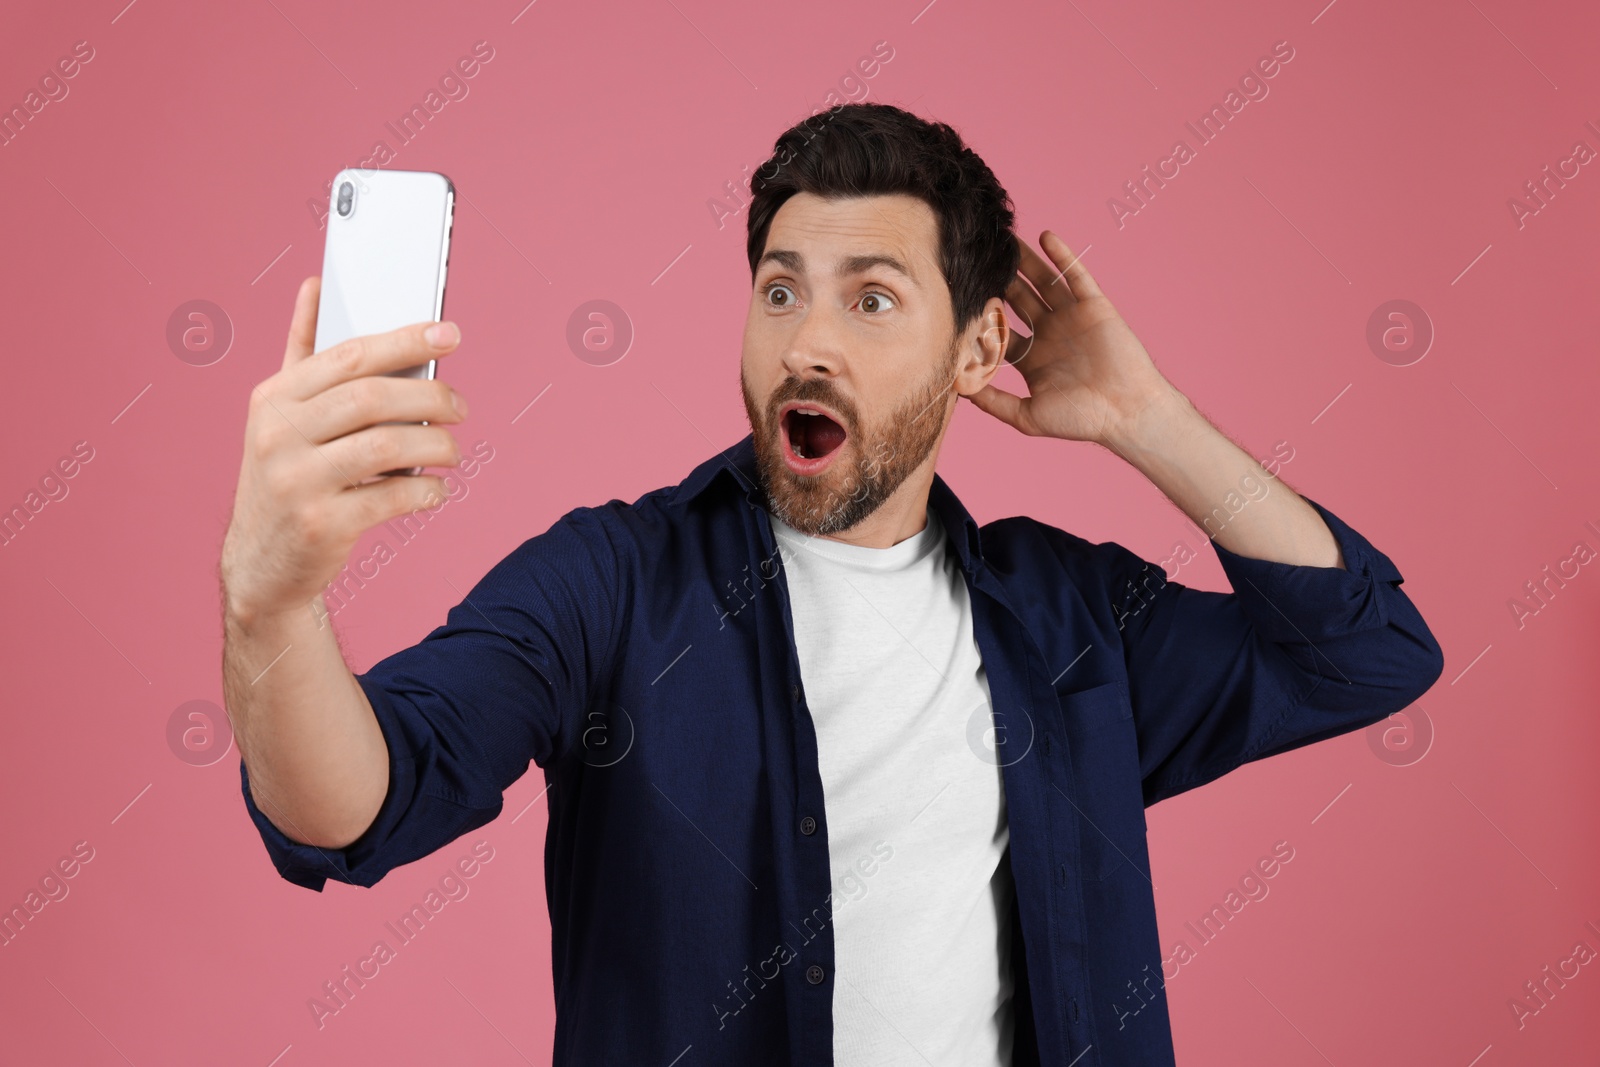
<point>772,287</point>
<point>874,301</point>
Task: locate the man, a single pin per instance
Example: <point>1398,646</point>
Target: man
<point>834,774</point>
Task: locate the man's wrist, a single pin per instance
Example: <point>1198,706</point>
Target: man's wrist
<point>248,619</point>
<point>1160,423</point>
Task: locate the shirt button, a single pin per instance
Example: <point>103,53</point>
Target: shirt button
<point>808,826</point>
<point>795,692</point>
<point>814,974</point>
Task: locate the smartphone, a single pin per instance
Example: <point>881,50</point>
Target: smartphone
<point>385,257</point>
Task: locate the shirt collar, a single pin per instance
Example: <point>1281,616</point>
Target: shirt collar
<point>735,467</point>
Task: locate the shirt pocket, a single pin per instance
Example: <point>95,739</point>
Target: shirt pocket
<point>1104,749</point>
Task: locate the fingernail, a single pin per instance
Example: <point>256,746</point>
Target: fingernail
<point>442,334</point>
<point>460,404</point>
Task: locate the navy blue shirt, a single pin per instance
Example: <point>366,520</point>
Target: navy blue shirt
<point>643,656</point>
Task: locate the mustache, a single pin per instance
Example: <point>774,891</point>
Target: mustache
<point>817,391</point>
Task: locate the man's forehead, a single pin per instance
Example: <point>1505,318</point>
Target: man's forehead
<point>809,233</point>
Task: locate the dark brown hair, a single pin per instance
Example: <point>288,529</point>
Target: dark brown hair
<point>866,149</point>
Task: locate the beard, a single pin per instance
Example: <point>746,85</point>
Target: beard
<point>872,464</point>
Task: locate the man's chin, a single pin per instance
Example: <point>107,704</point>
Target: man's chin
<point>805,500</point>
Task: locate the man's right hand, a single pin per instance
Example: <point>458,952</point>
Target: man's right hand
<point>313,444</point>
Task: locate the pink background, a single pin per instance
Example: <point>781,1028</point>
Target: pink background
<point>1379,167</point>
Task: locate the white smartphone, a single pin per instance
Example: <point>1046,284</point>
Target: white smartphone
<point>385,257</point>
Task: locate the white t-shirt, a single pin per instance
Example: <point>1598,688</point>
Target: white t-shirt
<point>915,804</point>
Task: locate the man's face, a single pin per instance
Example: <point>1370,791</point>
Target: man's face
<point>850,315</point>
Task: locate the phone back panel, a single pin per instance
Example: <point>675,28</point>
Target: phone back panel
<point>383,265</point>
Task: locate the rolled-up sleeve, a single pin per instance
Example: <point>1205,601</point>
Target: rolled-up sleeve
<point>1294,655</point>
<point>502,682</point>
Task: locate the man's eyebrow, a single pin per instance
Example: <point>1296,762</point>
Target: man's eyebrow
<point>859,264</point>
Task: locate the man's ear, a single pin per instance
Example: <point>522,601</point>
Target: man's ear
<point>985,348</point>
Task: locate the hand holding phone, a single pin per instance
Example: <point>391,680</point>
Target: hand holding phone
<point>317,433</point>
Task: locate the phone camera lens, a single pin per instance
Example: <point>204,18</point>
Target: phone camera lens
<point>347,194</point>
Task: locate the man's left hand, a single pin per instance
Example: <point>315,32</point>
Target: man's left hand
<point>1088,376</point>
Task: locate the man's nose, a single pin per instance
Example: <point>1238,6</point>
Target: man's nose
<point>815,348</point>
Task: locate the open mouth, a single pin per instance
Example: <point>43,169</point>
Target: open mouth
<point>810,433</point>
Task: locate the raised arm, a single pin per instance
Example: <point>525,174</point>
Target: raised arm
<point>317,760</point>
<point>1316,638</point>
